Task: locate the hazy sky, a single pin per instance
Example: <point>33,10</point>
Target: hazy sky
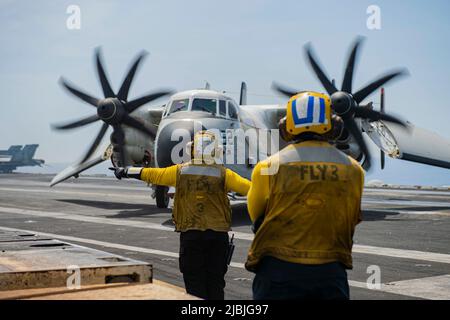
<point>224,42</point>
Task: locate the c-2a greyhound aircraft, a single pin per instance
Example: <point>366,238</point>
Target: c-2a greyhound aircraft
<point>146,136</point>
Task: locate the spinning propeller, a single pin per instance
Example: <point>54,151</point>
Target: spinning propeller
<point>345,102</point>
<point>114,110</point>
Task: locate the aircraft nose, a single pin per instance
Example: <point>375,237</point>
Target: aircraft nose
<point>172,140</point>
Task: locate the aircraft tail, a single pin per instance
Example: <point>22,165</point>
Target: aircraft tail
<point>29,150</point>
<point>14,149</point>
<point>243,94</point>
<point>23,155</point>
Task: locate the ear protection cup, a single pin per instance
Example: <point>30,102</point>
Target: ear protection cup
<point>285,135</point>
<point>218,151</point>
<point>337,128</point>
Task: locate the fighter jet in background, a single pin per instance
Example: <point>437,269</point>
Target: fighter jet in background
<point>16,156</point>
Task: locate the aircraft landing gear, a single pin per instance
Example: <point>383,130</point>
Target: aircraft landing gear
<point>162,198</point>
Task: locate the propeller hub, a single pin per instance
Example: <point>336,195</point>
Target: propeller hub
<point>114,110</point>
<point>342,103</point>
<point>110,110</point>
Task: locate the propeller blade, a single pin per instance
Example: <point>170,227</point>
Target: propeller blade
<point>329,87</point>
<point>76,92</point>
<point>349,70</point>
<point>282,89</point>
<point>366,113</point>
<point>136,103</point>
<point>382,154</point>
<point>354,130</point>
<point>119,137</point>
<point>106,87</point>
<point>136,124</point>
<point>367,90</point>
<point>96,142</point>
<point>125,87</point>
<point>76,124</point>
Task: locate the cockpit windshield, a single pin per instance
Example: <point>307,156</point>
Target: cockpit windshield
<point>179,105</point>
<point>207,105</point>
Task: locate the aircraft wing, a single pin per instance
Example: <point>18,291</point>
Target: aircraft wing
<point>412,144</point>
<point>262,116</point>
<point>75,169</point>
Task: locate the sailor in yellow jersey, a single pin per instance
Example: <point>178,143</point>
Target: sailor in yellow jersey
<point>305,213</point>
<point>201,212</point>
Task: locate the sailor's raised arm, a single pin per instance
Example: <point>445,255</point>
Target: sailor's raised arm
<point>160,176</point>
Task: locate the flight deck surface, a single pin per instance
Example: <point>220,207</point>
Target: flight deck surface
<point>404,232</point>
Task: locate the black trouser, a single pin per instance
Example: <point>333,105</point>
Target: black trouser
<point>203,262</point>
<point>276,279</point>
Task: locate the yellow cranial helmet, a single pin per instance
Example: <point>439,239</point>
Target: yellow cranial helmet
<point>308,111</point>
<point>205,147</point>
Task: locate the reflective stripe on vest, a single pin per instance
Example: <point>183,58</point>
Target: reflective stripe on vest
<point>201,171</point>
<point>313,154</point>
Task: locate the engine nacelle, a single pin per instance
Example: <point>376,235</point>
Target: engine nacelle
<point>139,147</point>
